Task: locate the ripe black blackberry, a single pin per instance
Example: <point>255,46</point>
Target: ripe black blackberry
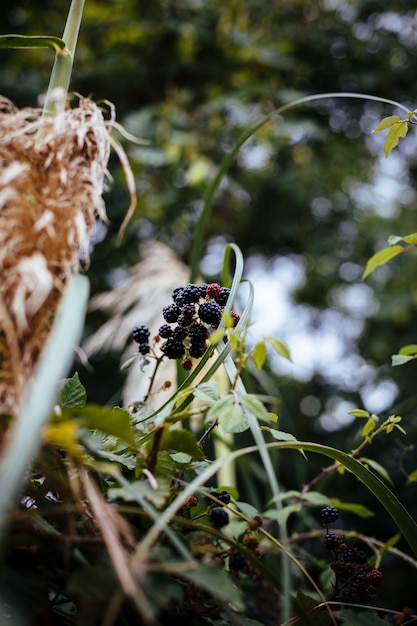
<point>222,298</point>
<point>173,349</point>
<point>171,313</point>
<point>196,351</point>
<point>203,290</point>
<point>198,333</point>
<point>219,517</point>
<point>185,318</point>
<point>144,348</point>
<point>177,296</point>
<point>179,333</point>
<point>210,313</point>
<point>223,496</point>
<point>141,334</point>
<point>191,293</point>
<point>237,561</point>
<point>165,331</point>
<point>329,515</point>
<point>332,541</point>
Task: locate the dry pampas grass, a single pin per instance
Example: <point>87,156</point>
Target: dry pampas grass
<point>50,195</point>
<point>139,299</point>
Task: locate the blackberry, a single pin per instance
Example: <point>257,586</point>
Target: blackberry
<point>177,296</point>
<point>198,333</point>
<point>165,331</point>
<point>223,297</point>
<point>203,290</point>
<point>329,515</point>
<point>191,293</point>
<point>360,557</point>
<point>171,313</point>
<point>213,291</point>
<point>196,351</point>
<point>332,541</point>
<point>235,318</point>
<point>186,316</point>
<point>375,577</point>
<point>173,349</point>
<point>144,348</point>
<point>187,364</point>
<point>219,517</point>
<point>237,561</point>
<point>179,333</point>
<point>223,496</point>
<point>141,334</point>
<point>210,312</point>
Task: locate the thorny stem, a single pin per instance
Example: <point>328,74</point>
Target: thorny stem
<point>207,433</point>
<point>152,378</point>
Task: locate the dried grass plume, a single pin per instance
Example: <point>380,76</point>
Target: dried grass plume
<point>50,195</point>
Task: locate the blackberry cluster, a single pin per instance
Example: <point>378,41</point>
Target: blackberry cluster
<point>141,335</point>
<point>356,579</point>
<point>223,496</point>
<point>195,310</point>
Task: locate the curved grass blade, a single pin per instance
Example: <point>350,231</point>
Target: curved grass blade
<point>25,435</point>
<point>229,159</point>
<point>33,41</point>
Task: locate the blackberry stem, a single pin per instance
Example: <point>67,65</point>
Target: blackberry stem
<point>152,378</point>
<point>153,455</point>
<point>207,433</point>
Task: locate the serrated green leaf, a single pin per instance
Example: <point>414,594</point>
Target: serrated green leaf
<point>208,392</point>
<point>280,435</point>
<point>387,122</point>
<point>251,403</point>
<point>315,497</point>
<point>259,354</point>
<point>397,131</point>
<point>72,393</point>
<point>401,359</point>
<point>233,420</point>
<point>32,41</point>
<point>309,613</point>
<point>248,510</point>
<point>380,258</point>
<point>359,413</point>
<point>217,409</point>
<point>181,457</point>
<point>216,581</point>
<point>280,347</point>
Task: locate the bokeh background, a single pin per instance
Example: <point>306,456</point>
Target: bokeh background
<point>310,198</point>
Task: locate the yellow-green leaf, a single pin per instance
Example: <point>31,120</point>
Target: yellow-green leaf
<point>396,132</point>
<point>32,41</point>
<point>381,257</point>
<point>387,122</point>
<point>409,349</point>
<point>259,354</point>
<point>280,347</point>
<point>63,435</point>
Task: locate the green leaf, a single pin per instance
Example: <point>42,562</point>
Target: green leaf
<point>216,581</point>
<point>284,513</point>
<point>387,122</point>
<point>72,393</point>
<point>394,239</point>
<point>279,435</point>
<point>280,347</point>
<point>378,468</point>
<point>259,354</point>
<point>401,359</point>
<point>32,41</point>
<point>352,617</point>
<point>252,404</point>
<point>129,362</point>
<point>217,409</point>
<point>248,510</point>
<point>369,427</point>
<point>181,440</point>
<point>208,392</point>
<point>397,131</point>
<point>112,421</point>
<point>412,477</point>
<point>380,258</point>
<point>233,420</point>
<point>357,509</point>
<point>315,497</point>
<point>410,349</point>
<point>359,413</point>
<point>308,611</point>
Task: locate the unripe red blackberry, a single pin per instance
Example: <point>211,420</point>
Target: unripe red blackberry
<point>210,313</point>
<point>173,349</point>
<point>375,577</point>
<point>223,496</point>
<point>332,541</point>
<point>213,291</point>
<point>165,331</point>
<point>329,515</point>
<point>219,517</point>
<point>144,348</point>
<point>237,561</point>
<point>141,334</point>
<point>171,313</point>
<point>187,364</point>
